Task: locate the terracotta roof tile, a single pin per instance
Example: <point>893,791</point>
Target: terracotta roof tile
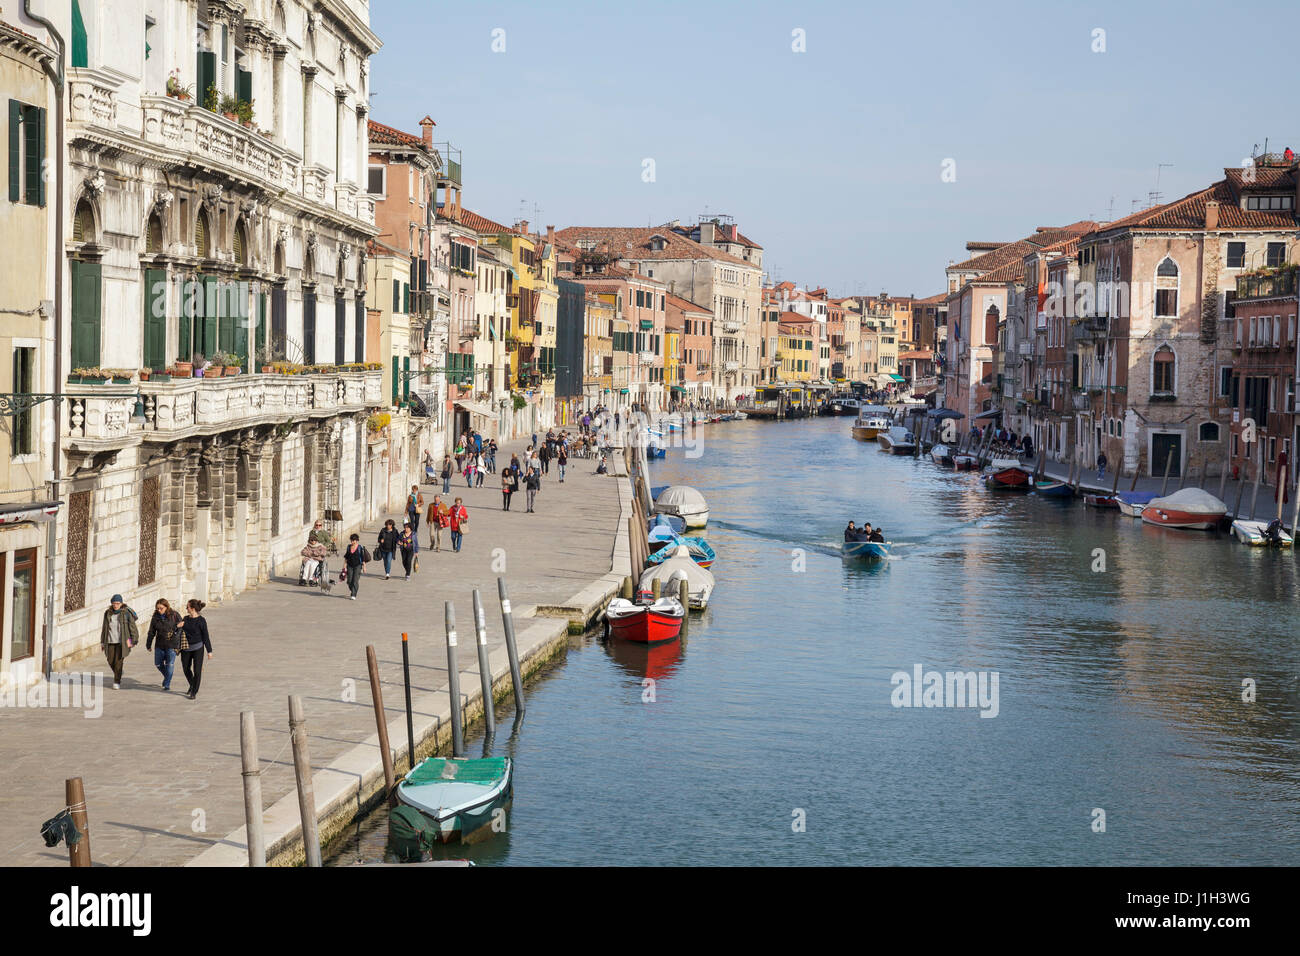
<point>635,243</point>
<point>472,220</point>
<point>381,135</point>
<point>1188,213</point>
<point>686,305</point>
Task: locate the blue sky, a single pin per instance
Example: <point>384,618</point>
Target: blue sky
<point>831,158</point>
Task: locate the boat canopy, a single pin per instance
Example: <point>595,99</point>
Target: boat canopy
<point>484,772</point>
<point>1191,500</point>
<point>682,499</point>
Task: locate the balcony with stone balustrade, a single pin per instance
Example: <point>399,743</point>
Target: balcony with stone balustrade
<point>185,132</point>
<point>199,407</point>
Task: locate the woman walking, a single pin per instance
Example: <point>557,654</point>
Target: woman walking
<point>162,629</point>
<point>458,517</point>
<point>387,546</point>
<point>480,469</point>
<point>509,483</point>
<point>533,482</point>
<point>469,470</point>
<point>355,558</point>
<point>194,643</point>
<point>406,545</point>
<point>446,474</point>
<point>563,460</point>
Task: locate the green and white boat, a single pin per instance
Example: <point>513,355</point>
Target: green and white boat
<point>458,794</point>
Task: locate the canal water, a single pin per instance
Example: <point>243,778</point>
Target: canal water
<point>770,735</point>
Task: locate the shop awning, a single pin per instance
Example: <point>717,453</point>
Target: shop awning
<point>679,389</point>
<point>622,391</point>
<point>897,378</point>
<point>28,511</point>
<point>477,408</point>
<point>991,413</point>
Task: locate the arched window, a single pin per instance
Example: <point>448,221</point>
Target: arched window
<point>241,243</point>
<point>202,236</point>
<point>153,234</point>
<point>279,258</point>
<point>1167,289</point>
<point>83,223</point>
<point>1163,371</point>
<point>1209,431</point>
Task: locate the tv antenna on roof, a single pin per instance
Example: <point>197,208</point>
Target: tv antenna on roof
<point>1156,197</point>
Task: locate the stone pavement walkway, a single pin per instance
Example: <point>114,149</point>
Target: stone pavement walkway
<point>162,773</point>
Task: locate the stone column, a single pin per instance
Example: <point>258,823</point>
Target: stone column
<point>278,51</point>
<point>308,88</point>
<point>340,107</point>
<point>363,149</point>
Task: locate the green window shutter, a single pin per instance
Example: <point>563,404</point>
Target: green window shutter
<point>15,151</point>
<point>207,343</point>
<point>260,335</point>
<point>155,318</point>
<point>85,283</point>
<point>396,379</point>
<point>397,296</point>
<point>186,320</point>
<point>206,72</point>
<point>80,41</point>
<point>244,85</point>
<point>406,297</point>
<point>406,380</point>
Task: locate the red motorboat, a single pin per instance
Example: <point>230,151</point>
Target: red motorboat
<point>645,624</point>
<point>1190,508</point>
<point>1101,501</point>
<point>1007,473</point>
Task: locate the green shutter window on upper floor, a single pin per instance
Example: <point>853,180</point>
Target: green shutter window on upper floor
<point>397,296</point>
<point>15,151</point>
<point>80,41</point>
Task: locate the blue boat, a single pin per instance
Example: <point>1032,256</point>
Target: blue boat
<point>1051,488</point>
<point>701,551</point>
<point>662,535</point>
<point>1131,503</point>
<point>872,550</point>
<point>654,451</point>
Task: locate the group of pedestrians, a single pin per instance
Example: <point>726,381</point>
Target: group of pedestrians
<point>169,634</point>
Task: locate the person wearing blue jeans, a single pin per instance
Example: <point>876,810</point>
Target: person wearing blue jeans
<point>446,474</point>
<point>387,545</point>
<point>162,631</point>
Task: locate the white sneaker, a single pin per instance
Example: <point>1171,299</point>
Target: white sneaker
<point>352,598</point>
<point>117,687</point>
<point>385,577</point>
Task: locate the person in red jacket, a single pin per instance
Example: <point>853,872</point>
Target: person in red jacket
<point>458,518</point>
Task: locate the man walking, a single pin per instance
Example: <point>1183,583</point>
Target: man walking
<point>117,636</point>
<point>1101,466</point>
<point>446,474</point>
<point>458,518</point>
<point>533,482</point>
<point>437,519</point>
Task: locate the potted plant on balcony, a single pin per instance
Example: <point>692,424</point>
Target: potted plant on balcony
<point>211,98</point>
<point>215,367</point>
<point>120,376</point>
<point>244,110</point>
<point>90,376</point>
<point>146,374</point>
<point>230,108</point>
<point>162,375</point>
<point>174,87</point>
<point>183,369</point>
<point>232,363</point>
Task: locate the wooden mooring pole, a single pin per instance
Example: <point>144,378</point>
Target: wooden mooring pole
<point>252,771</point>
<point>302,774</point>
<point>484,671</point>
<point>74,796</point>
<point>381,723</point>
<point>410,717</point>
<point>1169,464</point>
<point>453,681</point>
<point>508,626</point>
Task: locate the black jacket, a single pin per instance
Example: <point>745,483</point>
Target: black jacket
<point>388,540</point>
<point>196,632</point>
<point>163,628</point>
<point>354,559</point>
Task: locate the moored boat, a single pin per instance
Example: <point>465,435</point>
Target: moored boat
<point>941,455</point>
<point>701,551</point>
<point>871,421</point>
<point>965,462</point>
<point>1101,501</point>
<point>684,502</point>
<point>877,550</point>
<point>1053,488</point>
<point>459,795</point>
<point>1131,503</point>
<point>1261,534</point>
<point>1007,473</point>
<point>897,440</point>
<point>679,564</point>
<point>1190,508</point>
<point>645,624</point>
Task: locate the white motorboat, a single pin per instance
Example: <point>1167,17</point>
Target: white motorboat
<point>699,581</point>
<point>684,502</point>
<point>1258,534</point>
<point>897,440</point>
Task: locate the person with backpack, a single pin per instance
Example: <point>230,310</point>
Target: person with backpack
<point>118,634</point>
<point>406,544</point>
<point>458,518</point>
<point>355,559</point>
<point>446,474</point>
<point>162,629</point>
<point>386,546</point>
<point>194,643</point>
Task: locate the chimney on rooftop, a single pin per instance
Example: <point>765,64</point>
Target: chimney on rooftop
<point>550,234</point>
<point>522,226</point>
<point>1211,214</point>
<point>426,130</point>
